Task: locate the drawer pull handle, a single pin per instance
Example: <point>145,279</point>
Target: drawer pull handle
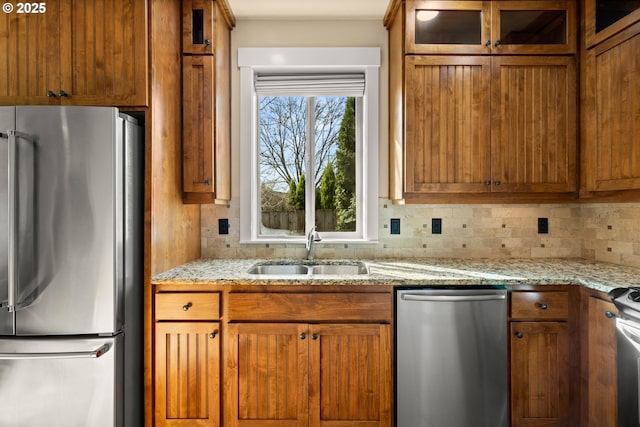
<point>213,334</point>
<point>543,306</point>
<point>187,306</point>
<point>610,314</point>
<point>519,335</point>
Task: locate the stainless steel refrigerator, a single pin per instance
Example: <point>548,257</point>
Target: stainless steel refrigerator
<point>71,214</point>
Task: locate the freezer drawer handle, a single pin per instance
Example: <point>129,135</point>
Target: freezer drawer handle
<point>61,355</point>
<point>452,298</point>
<point>12,137</point>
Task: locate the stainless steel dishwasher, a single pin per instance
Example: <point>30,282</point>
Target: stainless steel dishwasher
<point>451,357</point>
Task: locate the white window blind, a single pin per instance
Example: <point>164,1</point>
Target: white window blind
<point>344,84</point>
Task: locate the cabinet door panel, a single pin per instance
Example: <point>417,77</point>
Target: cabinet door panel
<point>267,375</point>
<point>447,124</point>
<point>198,121</point>
<point>534,124</point>
<point>32,55</point>
<point>187,380</point>
<point>539,373</point>
<point>350,377</point>
<point>601,361</point>
<point>109,53</point>
<point>198,21</point>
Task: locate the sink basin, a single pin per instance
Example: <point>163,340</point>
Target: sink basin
<point>303,267</point>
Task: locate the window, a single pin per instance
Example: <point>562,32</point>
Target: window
<point>309,144</point>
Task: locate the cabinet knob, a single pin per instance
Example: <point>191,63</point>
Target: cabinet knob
<point>488,43</point>
<point>63,94</point>
<point>519,335</point>
<point>543,306</point>
<point>488,182</point>
<point>207,182</point>
<point>497,43</point>
<point>207,42</point>
<point>187,306</point>
<point>303,336</point>
<point>610,314</point>
<point>497,183</point>
<point>314,337</point>
<point>51,94</point>
<point>213,334</point>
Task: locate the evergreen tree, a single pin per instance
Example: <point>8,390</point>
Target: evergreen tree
<point>299,195</point>
<point>346,170</point>
<point>327,189</point>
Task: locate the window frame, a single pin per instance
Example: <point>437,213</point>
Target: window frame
<point>252,61</point>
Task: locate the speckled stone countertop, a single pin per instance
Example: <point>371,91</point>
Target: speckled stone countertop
<point>413,272</point>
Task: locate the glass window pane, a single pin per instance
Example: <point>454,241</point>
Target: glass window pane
<point>335,164</point>
<point>610,11</point>
<point>448,26</point>
<point>282,165</point>
<point>533,27</point>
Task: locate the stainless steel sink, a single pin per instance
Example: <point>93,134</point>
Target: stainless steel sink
<point>303,267</point>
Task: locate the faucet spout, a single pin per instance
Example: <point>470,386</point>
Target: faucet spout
<point>312,237</point>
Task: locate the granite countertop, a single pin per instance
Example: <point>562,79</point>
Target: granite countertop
<point>411,272</point>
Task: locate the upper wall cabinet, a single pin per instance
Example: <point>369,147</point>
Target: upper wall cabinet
<point>206,101</point>
<point>75,53</point>
<point>484,27</point>
<point>604,18</point>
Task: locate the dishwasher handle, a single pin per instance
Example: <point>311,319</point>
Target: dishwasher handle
<point>453,297</point>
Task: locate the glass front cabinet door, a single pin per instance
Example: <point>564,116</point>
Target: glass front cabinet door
<point>485,27</point>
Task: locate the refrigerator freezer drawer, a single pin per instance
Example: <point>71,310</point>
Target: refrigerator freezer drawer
<point>61,382</point>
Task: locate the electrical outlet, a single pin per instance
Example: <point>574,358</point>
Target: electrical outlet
<point>543,225</point>
<point>223,226</point>
<point>395,225</point>
<point>436,225</point>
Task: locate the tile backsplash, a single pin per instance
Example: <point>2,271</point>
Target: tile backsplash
<point>604,232</point>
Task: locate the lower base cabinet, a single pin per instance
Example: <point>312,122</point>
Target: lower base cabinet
<point>299,375</point>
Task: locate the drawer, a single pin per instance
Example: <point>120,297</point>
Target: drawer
<point>310,307</point>
<point>540,305</point>
<point>188,306</point>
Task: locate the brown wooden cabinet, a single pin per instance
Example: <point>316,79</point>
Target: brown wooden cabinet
<point>495,124</point>
<point>206,99</point>
<point>600,350</point>
<point>187,359</point>
<point>491,27</point>
<point>478,124</point>
<point>541,371</point>
<point>308,374</point>
<point>76,53</point>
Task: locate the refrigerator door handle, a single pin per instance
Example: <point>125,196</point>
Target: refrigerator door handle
<point>100,351</point>
<point>12,136</point>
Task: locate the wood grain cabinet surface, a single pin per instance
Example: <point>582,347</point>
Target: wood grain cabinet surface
<point>486,110</point>
<point>76,53</point>
<point>307,374</point>
<point>187,359</point>
<point>206,101</point>
<point>543,377</point>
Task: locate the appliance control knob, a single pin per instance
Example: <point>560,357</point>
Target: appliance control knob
<point>634,296</point>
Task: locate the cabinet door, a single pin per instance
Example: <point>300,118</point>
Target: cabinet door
<point>198,21</point>
<point>539,374</point>
<point>447,124</point>
<point>109,53</point>
<point>350,375</point>
<point>534,27</point>
<point>601,361</point>
<point>266,376</point>
<point>613,161</point>
<point>533,136</point>
<point>33,55</point>
<point>187,374</point>
<point>197,123</point>
<point>448,27</point>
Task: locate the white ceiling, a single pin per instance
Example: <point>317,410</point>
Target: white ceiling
<point>309,9</point>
